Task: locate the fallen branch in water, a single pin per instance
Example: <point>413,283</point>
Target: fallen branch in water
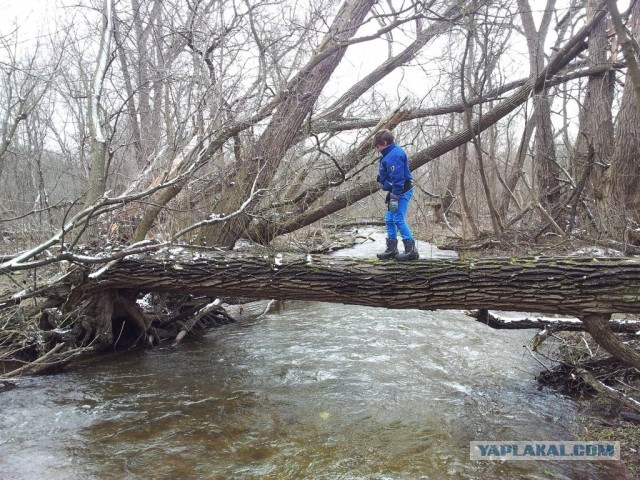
<point>610,392</point>
<point>30,366</point>
<point>551,324</point>
<point>194,319</point>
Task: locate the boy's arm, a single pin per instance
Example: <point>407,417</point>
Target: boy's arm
<point>396,174</point>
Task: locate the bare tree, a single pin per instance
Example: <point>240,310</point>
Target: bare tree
<point>544,156</point>
<point>482,48</point>
<point>594,142</point>
<point>98,135</point>
<point>626,155</point>
<point>24,84</point>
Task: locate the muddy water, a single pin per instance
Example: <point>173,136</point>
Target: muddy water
<point>310,391</point>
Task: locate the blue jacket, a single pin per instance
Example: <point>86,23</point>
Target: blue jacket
<point>393,171</point>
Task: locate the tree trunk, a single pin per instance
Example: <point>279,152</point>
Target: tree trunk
<point>544,158</point>
<point>516,172</point>
<point>442,210</point>
<point>99,160</point>
<point>588,288</point>
<point>132,111</point>
<point>551,324</point>
<point>303,91</point>
<point>625,164</point>
<point>566,285</point>
<point>596,123</point>
<point>469,216</point>
<point>598,327</point>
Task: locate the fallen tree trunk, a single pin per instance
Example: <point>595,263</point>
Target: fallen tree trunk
<point>584,287</point>
<point>565,324</point>
<point>590,289</point>
<point>573,286</point>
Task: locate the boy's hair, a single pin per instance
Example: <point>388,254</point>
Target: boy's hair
<point>383,137</point>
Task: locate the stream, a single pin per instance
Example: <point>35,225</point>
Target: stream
<point>311,390</point>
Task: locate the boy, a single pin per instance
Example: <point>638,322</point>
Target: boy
<point>396,179</point>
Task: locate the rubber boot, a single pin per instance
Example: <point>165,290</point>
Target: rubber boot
<point>391,251</point>
<point>410,252</point>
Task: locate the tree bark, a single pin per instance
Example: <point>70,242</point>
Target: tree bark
<point>598,327</point>
<point>625,163</point>
<point>596,123</point>
<point>574,286</point>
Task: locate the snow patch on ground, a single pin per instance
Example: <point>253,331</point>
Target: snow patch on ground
<point>596,252</point>
<point>145,302</point>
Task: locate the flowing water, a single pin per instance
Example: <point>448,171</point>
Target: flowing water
<point>312,390</point>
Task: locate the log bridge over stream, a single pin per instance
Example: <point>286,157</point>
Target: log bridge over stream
<point>591,289</point>
<point>576,286</point>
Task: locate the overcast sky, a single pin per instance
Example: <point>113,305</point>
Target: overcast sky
<point>41,11</point>
<point>33,18</point>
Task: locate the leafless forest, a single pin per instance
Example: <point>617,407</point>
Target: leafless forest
<point>142,123</point>
<point>209,121</point>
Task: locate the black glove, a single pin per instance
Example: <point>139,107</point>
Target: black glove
<point>387,198</point>
<point>393,202</point>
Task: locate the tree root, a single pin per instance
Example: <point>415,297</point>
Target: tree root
<point>51,333</point>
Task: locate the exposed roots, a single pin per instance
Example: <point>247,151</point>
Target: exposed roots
<point>43,333</point>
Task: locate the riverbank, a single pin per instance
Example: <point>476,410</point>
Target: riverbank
<point>600,420</point>
<point>600,416</point>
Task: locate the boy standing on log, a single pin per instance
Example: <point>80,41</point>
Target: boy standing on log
<point>396,179</point>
